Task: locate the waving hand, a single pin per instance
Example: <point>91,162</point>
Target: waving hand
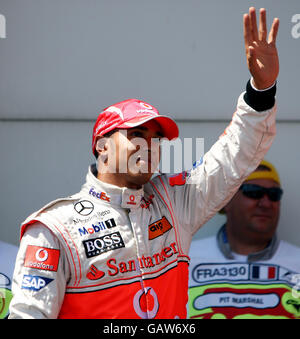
<point>262,56</point>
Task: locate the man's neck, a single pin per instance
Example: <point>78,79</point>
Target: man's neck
<point>117,180</point>
<point>245,246</point>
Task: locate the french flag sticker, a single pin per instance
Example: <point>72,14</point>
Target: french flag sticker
<point>264,272</point>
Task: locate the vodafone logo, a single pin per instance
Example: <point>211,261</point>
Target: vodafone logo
<point>146,108</point>
<point>41,255</point>
<point>143,298</point>
<point>145,105</point>
<point>42,258</point>
<point>131,200</point>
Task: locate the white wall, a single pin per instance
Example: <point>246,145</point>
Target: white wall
<point>69,58</point>
<point>62,61</point>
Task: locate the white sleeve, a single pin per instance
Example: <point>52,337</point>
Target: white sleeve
<point>40,276</point>
<point>214,179</point>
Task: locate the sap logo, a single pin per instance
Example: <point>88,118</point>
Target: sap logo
<point>100,226</point>
<point>2,26</point>
<point>109,242</point>
<point>34,282</point>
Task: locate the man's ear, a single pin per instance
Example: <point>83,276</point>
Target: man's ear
<point>101,148</point>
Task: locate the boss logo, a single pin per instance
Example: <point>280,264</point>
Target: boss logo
<point>108,242</point>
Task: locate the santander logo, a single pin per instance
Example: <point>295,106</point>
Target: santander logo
<point>94,273</point>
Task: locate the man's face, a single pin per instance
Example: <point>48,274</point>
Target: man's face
<point>132,155</point>
<point>250,218</point>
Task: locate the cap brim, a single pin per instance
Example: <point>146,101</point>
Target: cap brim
<point>169,127</point>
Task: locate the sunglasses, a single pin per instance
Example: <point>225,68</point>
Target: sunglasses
<point>257,192</point>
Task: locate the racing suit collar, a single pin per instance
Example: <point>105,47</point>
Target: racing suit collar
<point>265,254</point>
<point>120,196</point>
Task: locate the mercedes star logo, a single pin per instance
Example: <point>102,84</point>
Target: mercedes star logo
<point>84,207</point>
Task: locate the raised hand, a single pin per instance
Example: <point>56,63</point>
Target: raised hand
<point>262,56</point>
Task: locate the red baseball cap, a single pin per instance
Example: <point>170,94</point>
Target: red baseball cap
<point>131,113</point>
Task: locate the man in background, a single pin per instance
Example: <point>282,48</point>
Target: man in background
<point>8,253</point>
<point>245,270</point>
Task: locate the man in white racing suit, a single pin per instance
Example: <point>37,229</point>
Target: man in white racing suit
<point>119,248</point>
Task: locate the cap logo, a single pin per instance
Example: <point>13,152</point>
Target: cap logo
<point>147,106</point>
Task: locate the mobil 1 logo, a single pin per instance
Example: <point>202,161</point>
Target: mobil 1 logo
<point>97,227</point>
<point>108,242</point>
